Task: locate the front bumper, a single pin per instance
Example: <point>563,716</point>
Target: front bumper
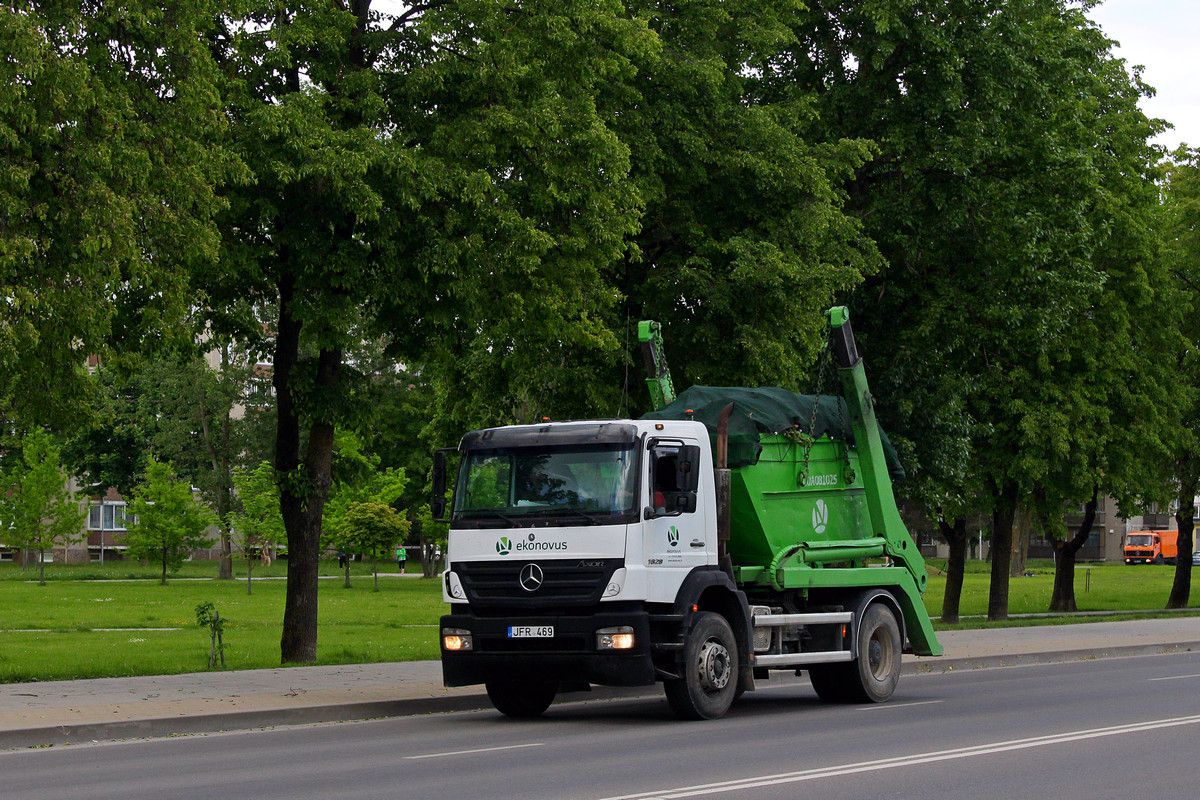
<point>571,655</point>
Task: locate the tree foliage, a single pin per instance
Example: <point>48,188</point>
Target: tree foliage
<point>1181,221</point>
<point>419,176</point>
<point>370,527</point>
<point>438,216</point>
<point>744,239</point>
<point>1012,197</point>
<point>257,527</point>
<point>37,509</point>
<point>107,121</point>
<point>169,523</point>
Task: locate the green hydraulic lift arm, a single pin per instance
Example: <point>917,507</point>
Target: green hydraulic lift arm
<point>658,375</point>
<point>881,502</point>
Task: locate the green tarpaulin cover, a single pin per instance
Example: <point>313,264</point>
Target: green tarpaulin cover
<point>768,410</point>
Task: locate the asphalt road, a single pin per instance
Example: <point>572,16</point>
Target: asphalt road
<point>1111,728</point>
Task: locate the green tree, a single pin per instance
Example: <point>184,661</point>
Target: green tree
<point>185,405</point>
<point>1181,220</point>
<point>741,242</point>
<point>1009,197</point>
<point>368,527</point>
<point>357,480</point>
<point>745,238</point>
<point>194,399</point>
<point>257,527</point>
<point>413,173</point>
<point>108,115</point>
<point>169,523</point>
<point>37,509</point>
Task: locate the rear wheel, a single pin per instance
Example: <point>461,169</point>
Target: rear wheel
<point>710,671</point>
<point>872,677</point>
<point>521,699</point>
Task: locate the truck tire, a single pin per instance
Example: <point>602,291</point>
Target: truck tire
<point>872,677</point>
<point>523,700</point>
<point>710,671</point>
<point>1157,560</point>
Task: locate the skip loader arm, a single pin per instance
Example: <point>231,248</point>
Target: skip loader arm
<point>881,502</point>
<point>658,375</point>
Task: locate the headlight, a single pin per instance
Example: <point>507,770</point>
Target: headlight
<point>620,638</point>
<point>456,639</point>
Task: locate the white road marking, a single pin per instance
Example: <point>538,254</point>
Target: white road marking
<point>480,750</point>
<point>906,761</point>
<point>1175,678</point>
<point>881,706</point>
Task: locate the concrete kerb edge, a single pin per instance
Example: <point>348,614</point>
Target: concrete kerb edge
<point>938,665</point>
<point>233,721</point>
<point>353,712</point>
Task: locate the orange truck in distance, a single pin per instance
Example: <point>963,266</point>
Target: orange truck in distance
<point>1151,547</point>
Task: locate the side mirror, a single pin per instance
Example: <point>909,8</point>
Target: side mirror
<point>685,503</point>
<point>687,470</point>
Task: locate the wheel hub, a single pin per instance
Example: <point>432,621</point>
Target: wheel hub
<point>714,666</point>
<point>877,660</point>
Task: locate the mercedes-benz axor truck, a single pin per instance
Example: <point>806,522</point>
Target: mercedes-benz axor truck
<point>725,535</point>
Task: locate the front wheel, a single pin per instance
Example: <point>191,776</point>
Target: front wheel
<point>521,699</point>
<point>710,671</point>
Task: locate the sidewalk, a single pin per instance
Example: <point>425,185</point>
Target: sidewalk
<point>58,712</point>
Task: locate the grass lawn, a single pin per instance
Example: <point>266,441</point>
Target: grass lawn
<point>57,631</point>
<point>1098,587</point>
<point>90,621</point>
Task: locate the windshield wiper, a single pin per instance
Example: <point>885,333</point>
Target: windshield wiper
<point>478,515</point>
<point>591,518</point>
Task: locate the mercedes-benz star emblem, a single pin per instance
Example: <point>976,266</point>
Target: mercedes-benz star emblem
<point>531,577</point>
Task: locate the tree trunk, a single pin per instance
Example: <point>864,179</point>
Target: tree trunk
<point>218,458</point>
<point>1002,539</point>
<point>225,475</point>
<point>955,535</point>
<point>164,566</point>
<point>303,487</point>
<point>225,569</point>
<point>1022,527</point>
<point>41,567</point>
<point>1185,517</point>
<point>1065,550</point>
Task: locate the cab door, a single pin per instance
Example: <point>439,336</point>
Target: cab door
<point>675,527</point>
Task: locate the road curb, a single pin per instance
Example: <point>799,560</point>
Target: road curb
<point>940,665</point>
<point>82,733</point>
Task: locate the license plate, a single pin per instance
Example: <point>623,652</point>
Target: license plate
<point>531,632</point>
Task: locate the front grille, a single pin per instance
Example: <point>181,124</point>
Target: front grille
<point>565,583</point>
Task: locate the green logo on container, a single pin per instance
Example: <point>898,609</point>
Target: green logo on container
<point>673,536</point>
<point>820,516</point>
<point>504,546</point>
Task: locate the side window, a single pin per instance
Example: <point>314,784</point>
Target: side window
<point>664,480</point>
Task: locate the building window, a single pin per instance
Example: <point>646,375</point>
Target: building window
<point>112,515</point>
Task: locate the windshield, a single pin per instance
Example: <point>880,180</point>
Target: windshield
<point>1140,541</point>
<point>590,484</point>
